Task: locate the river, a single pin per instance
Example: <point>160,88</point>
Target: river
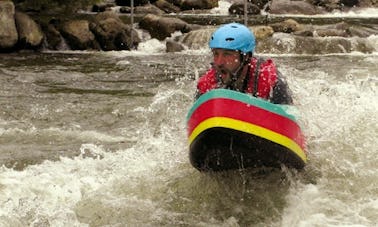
<point>99,139</point>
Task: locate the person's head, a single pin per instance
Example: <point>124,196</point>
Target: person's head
<point>232,45</point>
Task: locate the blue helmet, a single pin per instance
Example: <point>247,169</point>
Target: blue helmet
<point>233,36</point>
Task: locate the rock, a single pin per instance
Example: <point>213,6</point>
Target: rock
<point>304,33</point>
<point>148,9</point>
<point>53,37</point>
<point>262,32</point>
<point>362,31</point>
<point>330,32</point>
<point>349,3</point>
<point>8,31</point>
<point>29,32</point>
<point>173,46</point>
<point>162,27</point>
<point>112,33</point>
<point>142,9</point>
<point>328,5</point>
<point>287,26</point>
<point>291,7</point>
<point>167,7</point>
<point>282,43</point>
<point>136,2</point>
<point>238,9</point>
<point>196,39</point>
<point>102,7</point>
<point>78,35</point>
<point>198,4</point>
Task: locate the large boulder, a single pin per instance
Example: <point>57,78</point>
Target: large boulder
<point>162,27</point>
<point>198,4</point>
<point>113,34</point>
<point>78,35</point>
<point>291,7</point>
<point>238,8</point>
<point>29,32</point>
<point>167,7</point>
<point>282,43</point>
<point>287,26</point>
<point>8,31</point>
<point>54,39</point>
<point>197,39</point>
<point>262,32</point>
<point>136,2</point>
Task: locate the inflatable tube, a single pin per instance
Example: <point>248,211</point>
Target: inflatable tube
<point>233,130</point>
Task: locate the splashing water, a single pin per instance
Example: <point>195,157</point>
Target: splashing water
<point>108,135</point>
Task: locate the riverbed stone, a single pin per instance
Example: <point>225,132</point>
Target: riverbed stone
<point>147,9</point>
<point>136,2</point>
<point>330,32</point>
<point>8,31</point>
<point>262,32</point>
<point>167,7</point>
<point>78,35</point>
<point>238,8</point>
<point>287,26</point>
<point>29,32</point>
<point>198,4</point>
<point>173,46</point>
<point>112,33</point>
<point>162,27</point>
<point>291,7</point>
<point>54,39</point>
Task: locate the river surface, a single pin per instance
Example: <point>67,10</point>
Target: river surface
<point>99,139</point>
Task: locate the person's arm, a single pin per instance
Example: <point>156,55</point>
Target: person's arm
<point>281,91</point>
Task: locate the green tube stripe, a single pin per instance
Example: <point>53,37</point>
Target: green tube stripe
<point>249,99</point>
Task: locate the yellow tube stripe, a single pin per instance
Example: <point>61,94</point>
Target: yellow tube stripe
<point>248,128</point>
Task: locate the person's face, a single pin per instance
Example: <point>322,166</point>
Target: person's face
<point>226,62</point>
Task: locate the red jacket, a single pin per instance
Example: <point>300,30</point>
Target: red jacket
<point>268,80</point>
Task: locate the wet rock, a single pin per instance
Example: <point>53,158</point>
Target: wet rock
<point>282,43</point>
<point>53,37</point>
<point>330,32</point>
<point>328,5</point>
<point>291,7</point>
<point>112,33</point>
<point>349,3</point>
<point>8,31</point>
<point>198,4</point>
<point>29,32</point>
<point>148,9</point>
<point>238,8</point>
<point>173,46</point>
<point>136,2</point>
<point>197,39</point>
<point>262,32</point>
<point>102,7</point>
<point>162,27</point>
<point>304,32</point>
<point>362,31</point>
<point>287,26</point>
<point>78,35</point>
<point>142,9</point>
<point>167,7</point>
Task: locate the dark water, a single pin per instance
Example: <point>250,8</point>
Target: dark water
<point>99,139</point>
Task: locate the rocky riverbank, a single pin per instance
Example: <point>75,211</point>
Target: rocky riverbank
<point>279,26</point>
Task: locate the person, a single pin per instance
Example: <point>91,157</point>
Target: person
<point>235,67</point>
